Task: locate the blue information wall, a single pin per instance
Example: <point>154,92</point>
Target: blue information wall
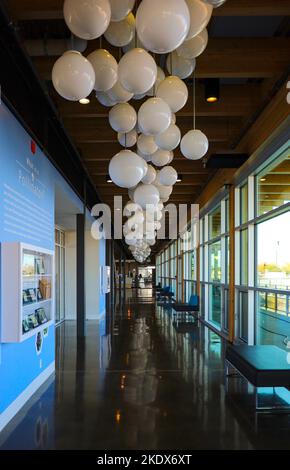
<point>27,195</point>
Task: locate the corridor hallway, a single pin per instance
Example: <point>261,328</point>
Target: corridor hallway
<point>153,383</point>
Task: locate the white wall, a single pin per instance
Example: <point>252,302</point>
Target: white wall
<point>92,286</point>
<point>70,275</point>
<point>92,273</point>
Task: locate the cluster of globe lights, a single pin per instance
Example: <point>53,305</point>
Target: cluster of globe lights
<point>173,27</point>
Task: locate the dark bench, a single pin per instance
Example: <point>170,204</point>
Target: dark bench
<point>164,294</point>
<point>262,366</point>
<point>191,306</point>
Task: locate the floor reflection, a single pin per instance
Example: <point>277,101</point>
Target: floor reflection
<point>155,382</point>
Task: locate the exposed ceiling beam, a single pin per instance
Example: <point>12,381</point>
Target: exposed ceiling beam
<point>185,167</point>
<point>273,115</point>
<point>224,57</point>
<point>217,129</point>
<point>235,100</point>
<point>269,119</point>
<point>187,180</point>
<point>52,9</point>
<point>101,151</point>
<point>254,8</point>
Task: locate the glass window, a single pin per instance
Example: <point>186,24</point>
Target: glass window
<point>215,223</point>
<point>57,236</point>
<point>243,315</point>
<point>227,250</point>
<point>244,203</point>
<point>215,261</point>
<point>227,211</point>
<point>273,252</point>
<point>215,304</point>
<point>273,318</point>
<point>192,265</point>
<point>244,257</point>
<point>226,308</point>
<point>273,185</point>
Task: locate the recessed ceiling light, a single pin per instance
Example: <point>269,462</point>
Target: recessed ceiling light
<point>179,179</point>
<point>211,99</point>
<point>212,89</point>
<point>84,101</point>
<point>263,179</point>
<point>108,179</point>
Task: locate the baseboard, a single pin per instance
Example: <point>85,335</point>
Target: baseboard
<point>20,401</point>
<point>97,316</point>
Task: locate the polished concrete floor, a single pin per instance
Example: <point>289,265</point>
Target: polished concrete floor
<point>154,382</point>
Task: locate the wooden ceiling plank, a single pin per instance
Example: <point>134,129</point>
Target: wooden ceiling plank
<point>216,129</point>
<point>235,100</point>
<point>52,9</point>
<point>224,57</point>
<point>254,8</point>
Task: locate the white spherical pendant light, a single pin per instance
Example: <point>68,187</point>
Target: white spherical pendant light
<point>119,94</point>
<point>122,117</point>
<point>161,157</point>
<point>194,144</point>
<point>160,77</point>
<point>171,157</point>
<point>194,47</point>
<point>139,96</point>
<point>131,239</point>
<point>157,182</point>
<point>168,176</point>
<point>146,194</point>
<point>106,69</point>
<point>151,241</point>
<point>200,14</point>
<point>137,71</point>
<point>146,144</point>
<point>174,92</point>
<point>147,158</point>
<point>104,99</point>
<point>164,191</point>
<point>162,25</point>
<point>150,175</point>
<point>169,139</point>
<point>73,76</point>
<point>87,19</point>
<point>131,191</point>
<point>120,33</point>
<point>177,65</point>
<point>120,9</point>
<point>128,139</point>
<point>126,169</point>
<point>145,167</point>
<point>154,116</point>
<point>133,44</point>
<point>131,208</point>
